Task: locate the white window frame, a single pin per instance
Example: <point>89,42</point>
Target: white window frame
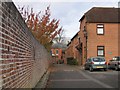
<point>100,50</point>
<point>100,29</point>
<point>57,51</point>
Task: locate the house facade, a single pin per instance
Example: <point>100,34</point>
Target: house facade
<point>72,50</point>
<point>99,33</point>
<point>58,53</point>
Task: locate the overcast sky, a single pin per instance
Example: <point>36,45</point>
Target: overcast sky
<point>68,11</point>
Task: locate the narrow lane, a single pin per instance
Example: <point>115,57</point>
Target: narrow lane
<point>65,76</point>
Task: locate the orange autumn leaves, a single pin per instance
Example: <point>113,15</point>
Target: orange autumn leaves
<point>42,27</point>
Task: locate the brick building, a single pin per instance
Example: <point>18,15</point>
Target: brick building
<point>98,35</point>
<point>72,50</point>
<point>58,53</point>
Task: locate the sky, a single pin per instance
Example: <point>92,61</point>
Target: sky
<point>68,12</point>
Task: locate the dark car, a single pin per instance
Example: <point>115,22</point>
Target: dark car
<point>95,63</point>
<point>114,63</point>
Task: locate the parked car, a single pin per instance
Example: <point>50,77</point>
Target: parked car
<point>114,63</point>
<point>95,63</point>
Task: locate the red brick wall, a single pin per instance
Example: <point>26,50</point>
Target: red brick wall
<point>69,51</point>
<point>83,41</point>
<point>59,52</point>
<point>76,53</point>
<point>109,39</point>
<point>23,60</point>
<point>56,56</point>
<point>72,51</point>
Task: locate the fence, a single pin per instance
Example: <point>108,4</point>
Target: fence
<point>23,60</point>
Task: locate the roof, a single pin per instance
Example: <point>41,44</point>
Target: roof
<point>69,43</point>
<point>74,36</point>
<point>102,15</point>
<point>59,45</point>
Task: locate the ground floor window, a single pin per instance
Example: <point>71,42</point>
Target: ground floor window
<point>57,52</point>
<point>101,51</point>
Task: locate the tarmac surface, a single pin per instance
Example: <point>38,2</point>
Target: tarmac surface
<point>66,76</point>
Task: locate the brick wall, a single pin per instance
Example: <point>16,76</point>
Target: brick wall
<point>76,53</point>
<point>56,56</point>
<point>72,51</point>
<point>109,40</point>
<point>23,60</point>
<point>69,51</point>
<point>83,41</point>
<point>59,54</point>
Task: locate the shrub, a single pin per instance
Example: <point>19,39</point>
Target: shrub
<point>72,61</point>
<point>60,61</point>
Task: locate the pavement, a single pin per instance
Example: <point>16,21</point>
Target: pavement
<point>43,81</point>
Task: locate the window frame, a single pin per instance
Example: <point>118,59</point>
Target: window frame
<point>101,49</point>
<point>52,52</point>
<point>57,52</point>
<point>98,27</point>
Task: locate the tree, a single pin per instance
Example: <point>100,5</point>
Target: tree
<point>60,36</point>
<point>42,27</point>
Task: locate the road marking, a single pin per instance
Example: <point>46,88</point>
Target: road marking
<point>95,80</point>
<point>68,70</point>
<point>71,80</point>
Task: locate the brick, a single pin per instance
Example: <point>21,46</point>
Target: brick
<point>19,68</point>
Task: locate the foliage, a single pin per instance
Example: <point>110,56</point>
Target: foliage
<point>44,29</point>
<point>60,61</point>
<point>72,61</point>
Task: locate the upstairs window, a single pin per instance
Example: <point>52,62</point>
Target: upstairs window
<point>100,29</point>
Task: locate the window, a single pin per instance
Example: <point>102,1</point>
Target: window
<point>100,29</point>
<point>56,52</point>
<point>52,52</point>
<point>100,51</point>
<point>98,59</point>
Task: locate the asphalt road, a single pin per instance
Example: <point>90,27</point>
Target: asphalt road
<point>65,76</point>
